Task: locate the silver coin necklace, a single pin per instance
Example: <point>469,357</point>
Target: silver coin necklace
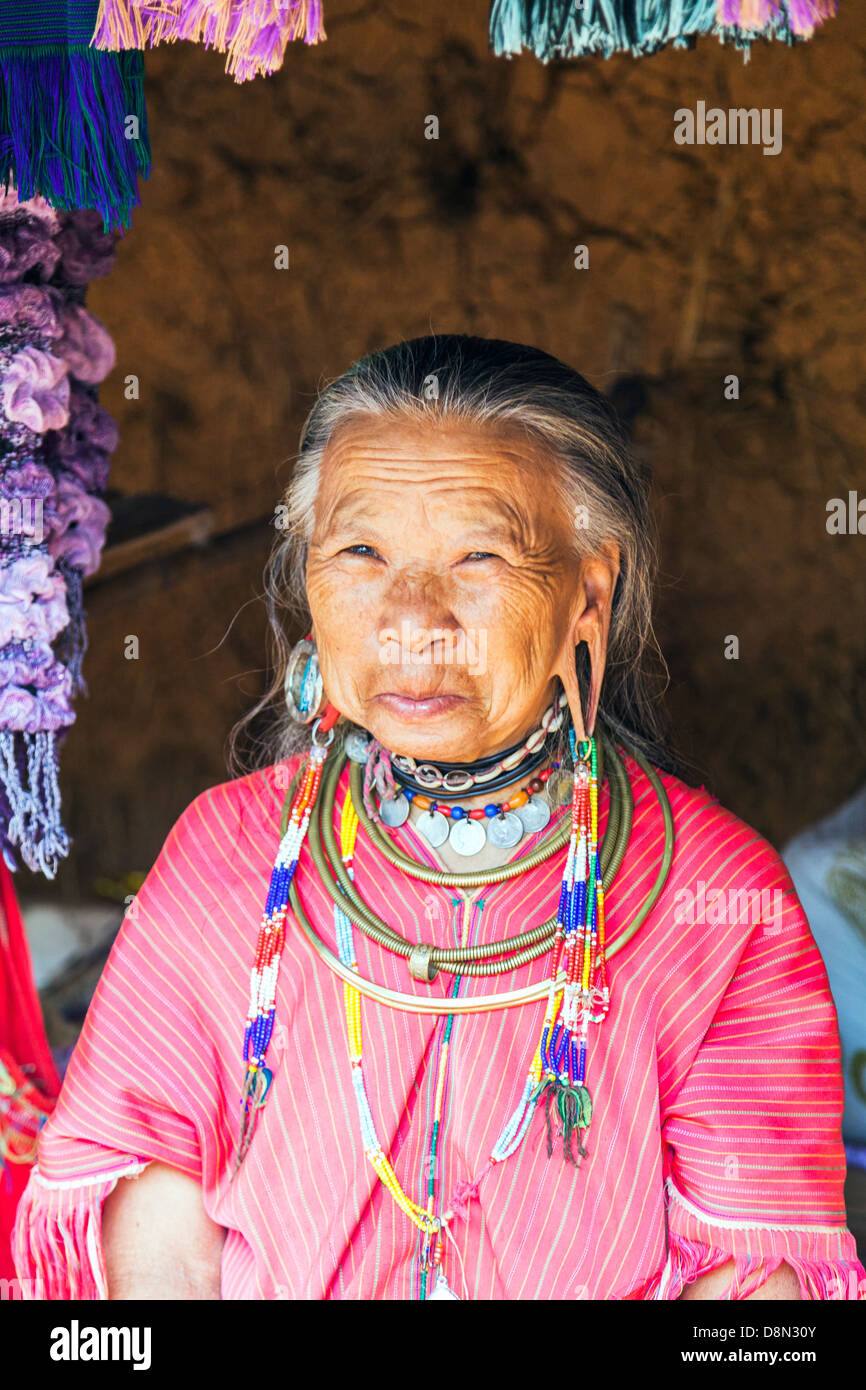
<point>503,825</point>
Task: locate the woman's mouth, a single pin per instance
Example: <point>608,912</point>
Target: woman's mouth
<point>418,706</point>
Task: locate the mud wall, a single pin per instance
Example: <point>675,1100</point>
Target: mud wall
<point>704,261</point>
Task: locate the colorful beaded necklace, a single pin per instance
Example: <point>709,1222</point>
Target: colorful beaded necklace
<point>579,944</point>
<point>330,866</point>
<point>433,1227</point>
<point>272,934</point>
<point>503,823</point>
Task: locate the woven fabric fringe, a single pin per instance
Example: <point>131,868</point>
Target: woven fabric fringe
<point>554,29</point>
<point>57,1244</point>
<point>252,33</point>
<point>824,1258</point>
<point>65,127</point>
<point>28,770</point>
<point>836,1280</point>
<point>804,16</point>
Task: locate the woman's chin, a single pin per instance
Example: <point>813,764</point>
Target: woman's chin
<point>441,727</point>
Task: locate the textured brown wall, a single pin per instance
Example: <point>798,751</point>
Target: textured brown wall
<point>704,261</point>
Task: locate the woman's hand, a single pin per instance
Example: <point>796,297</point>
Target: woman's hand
<point>158,1240</point>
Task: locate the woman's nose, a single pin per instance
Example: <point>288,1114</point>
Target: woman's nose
<point>409,643</point>
<point>419,602</point>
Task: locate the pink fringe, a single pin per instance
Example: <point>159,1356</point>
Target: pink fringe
<point>804,16</point>
<point>252,33</point>
<point>56,1241</point>
<point>378,773</point>
<point>688,1259</point>
<point>464,1192</point>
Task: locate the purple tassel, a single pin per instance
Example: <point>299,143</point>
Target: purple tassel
<point>63,128</point>
<point>252,33</point>
<point>804,16</point>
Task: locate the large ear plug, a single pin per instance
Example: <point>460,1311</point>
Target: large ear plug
<point>583,728</point>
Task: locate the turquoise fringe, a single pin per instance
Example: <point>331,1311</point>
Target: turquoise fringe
<point>559,29</point>
<point>63,114</point>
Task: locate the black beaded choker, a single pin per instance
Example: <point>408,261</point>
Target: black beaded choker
<point>448,792</point>
<point>449,781</point>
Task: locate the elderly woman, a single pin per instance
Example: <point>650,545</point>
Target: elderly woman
<point>525,1016</point>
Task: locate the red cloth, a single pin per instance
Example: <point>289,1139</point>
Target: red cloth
<point>23,1044</point>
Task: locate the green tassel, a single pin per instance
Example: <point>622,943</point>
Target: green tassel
<point>575,1112</point>
<point>574,1107</point>
<point>257,1085</point>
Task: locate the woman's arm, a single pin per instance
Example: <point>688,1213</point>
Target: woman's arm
<point>782,1284</point>
<point>158,1240</point>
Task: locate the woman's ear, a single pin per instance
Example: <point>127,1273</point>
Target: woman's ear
<point>590,623</point>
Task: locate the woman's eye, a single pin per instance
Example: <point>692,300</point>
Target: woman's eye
<point>361,550</point>
<point>481,555</point>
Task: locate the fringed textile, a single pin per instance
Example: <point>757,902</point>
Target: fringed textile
<point>73,126</point>
<point>824,1259</point>
<point>57,1245</point>
<point>253,34</point>
<point>803,16</point>
<point>566,29</point>
<point>54,447</point>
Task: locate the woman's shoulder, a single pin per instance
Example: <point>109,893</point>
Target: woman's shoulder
<point>216,855</point>
<point>247,803</point>
<point>224,831</point>
<point>728,909</point>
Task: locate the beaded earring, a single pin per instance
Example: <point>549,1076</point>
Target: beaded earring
<point>578,950</point>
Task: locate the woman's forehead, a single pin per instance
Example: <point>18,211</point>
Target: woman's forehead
<point>369,464</point>
<point>401,438</point>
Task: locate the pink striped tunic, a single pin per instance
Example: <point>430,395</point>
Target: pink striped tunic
<point>716,1079</point>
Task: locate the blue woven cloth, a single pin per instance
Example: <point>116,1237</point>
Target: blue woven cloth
<point>73,125</point>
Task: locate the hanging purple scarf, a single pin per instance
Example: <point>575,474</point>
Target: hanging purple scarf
<point>55,442</point>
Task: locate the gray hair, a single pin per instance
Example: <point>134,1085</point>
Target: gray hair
<point>484,381</point>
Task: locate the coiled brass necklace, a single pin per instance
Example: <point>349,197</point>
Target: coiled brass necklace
<point>475,960</point>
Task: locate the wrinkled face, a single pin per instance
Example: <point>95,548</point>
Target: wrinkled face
<point>443,585</point>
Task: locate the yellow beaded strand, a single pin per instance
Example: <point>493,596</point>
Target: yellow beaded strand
<point>424,1220</point>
